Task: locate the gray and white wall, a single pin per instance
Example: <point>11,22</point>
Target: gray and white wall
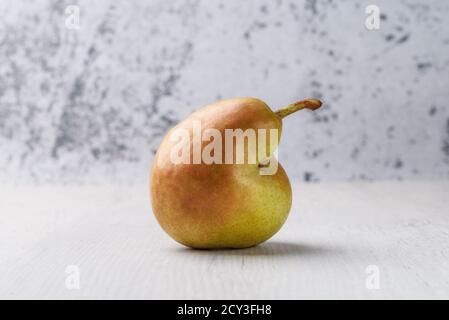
<point>91,105</point>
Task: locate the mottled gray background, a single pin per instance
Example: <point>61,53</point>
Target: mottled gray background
<point>91,105</point>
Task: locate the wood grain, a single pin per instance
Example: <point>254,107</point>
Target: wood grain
<point>334,232</point>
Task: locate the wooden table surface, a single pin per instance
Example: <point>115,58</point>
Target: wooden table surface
<point>341,240</point>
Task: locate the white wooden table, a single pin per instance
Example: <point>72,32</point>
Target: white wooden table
<point>361,240</point>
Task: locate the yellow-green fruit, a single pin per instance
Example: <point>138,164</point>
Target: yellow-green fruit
<point>222,205</point>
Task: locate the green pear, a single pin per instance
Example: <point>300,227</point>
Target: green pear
<point>223,204</point>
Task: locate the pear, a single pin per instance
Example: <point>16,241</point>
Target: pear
<point>222,205</point>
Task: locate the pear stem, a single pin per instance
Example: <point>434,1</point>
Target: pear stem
<point>311,104</point>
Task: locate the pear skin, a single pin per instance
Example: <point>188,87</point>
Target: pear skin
<point>212,206</point>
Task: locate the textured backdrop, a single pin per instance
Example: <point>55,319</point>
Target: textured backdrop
<point>91,105</point>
